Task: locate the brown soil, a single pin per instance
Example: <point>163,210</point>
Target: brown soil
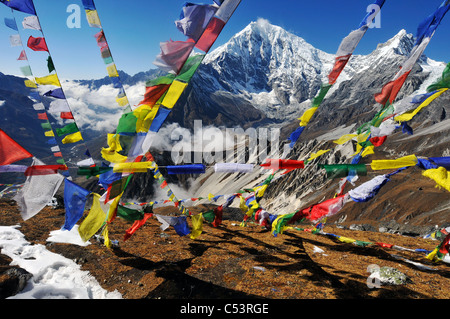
<point>225,262</point>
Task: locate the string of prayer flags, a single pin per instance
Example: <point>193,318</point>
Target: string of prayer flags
<point>424,34</point>
<point>10,150</point>
<point>75,198</point>
<point>25,6</point>
<point>349,43</point>
<point>343,55</point>
<point>105,52</point>
<point>186,169</point>
<point>409,160</point>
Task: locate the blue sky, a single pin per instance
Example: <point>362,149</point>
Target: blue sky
<point>135,28</point>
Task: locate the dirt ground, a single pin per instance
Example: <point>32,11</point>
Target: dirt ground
<point>234,262</point>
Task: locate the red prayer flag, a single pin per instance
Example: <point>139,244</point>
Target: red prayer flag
<point>154,93</point>
<point>22,56</point>
<point>66,115</point>
<point>210,34</point>
<point>10,150</point>
<point>288,165</point>
<point>218,211</point>
<point>136,225</point>
<point>37,44</point>
<point>42,116</point>
<point>339,65</point>
<point>377,140</point>
<point>390,90</point>
<point>44,169</point>
<point>57,154</point>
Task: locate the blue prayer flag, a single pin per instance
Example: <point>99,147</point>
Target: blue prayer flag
<point>74,201</point>
<point>26,6</point>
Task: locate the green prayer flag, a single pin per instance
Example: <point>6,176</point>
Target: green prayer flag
<point>129,214</point>
<point>68,129</point>
<point>93,171</point>
<point>166,79</point>
<point>127,123</point>
<point>319,98</point>
<point>46,126</point>
<point>343,170</point>
<point>209,216</point>
<point>50,65</point>
<point>189,68</point>
<point>26,70</point>
<point>443,82</point>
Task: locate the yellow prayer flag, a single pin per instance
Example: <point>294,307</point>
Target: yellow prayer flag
<point>260,190</point>
<point>113,207</point>
<point>410,160</point>
<point>122,101</point>
<point>93,18</point>
<point>317,154</point>
<point>72,138</point>
<point>368,150</point>
<point>173,94</point>
<point>210,196</point>
<point>197,225</point>
<point>407,116</point>
<point>111,153</point>
<point>106,239</point>
<point>345,138</point>
<point>139,167</point>
<point>440,175</point>
<point>49,133</point>
<point>93,221</point>
<point>145,115</point>
<point>306,117</point>
<point>346,240</point>
<point>30,84</point>
<point>112,71</point>
<point>51,79</point>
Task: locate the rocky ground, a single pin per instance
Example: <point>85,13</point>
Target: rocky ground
<point>240,262</point>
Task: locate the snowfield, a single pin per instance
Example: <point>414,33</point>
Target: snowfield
<point>54,276</point>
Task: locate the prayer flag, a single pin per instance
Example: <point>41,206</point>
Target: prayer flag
<point>343,170</point>
<point>93,18</point>
<point>37,44</point>
<point>51,79</point>
<point>94,220</point>
<point>210,34</point>
<point>197,225</point>
<point>129,214</point>
<point>50,65</point>
<point>288,165</point>
<point>194,18</point>
<point>31,22</point>
<point>75,198</point>
<point>368,190</point>
<point>25,6</point>
<point>173,55</point>
<point>186,169</point>
<point>37,192</point>
<point>440,175</point>
<point>173,94</point>
<point>44,169</point>
<point>112,70</point>
<point>30,84</point>
<point>10,150</point>
<point>410,160</point>
<point>72,138</point>
<point>136,225</point>
<point>22,56</point>
<point>68,129</point>
<point>56,93</point>
<point>11,23</point>
<point>15,40</point>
